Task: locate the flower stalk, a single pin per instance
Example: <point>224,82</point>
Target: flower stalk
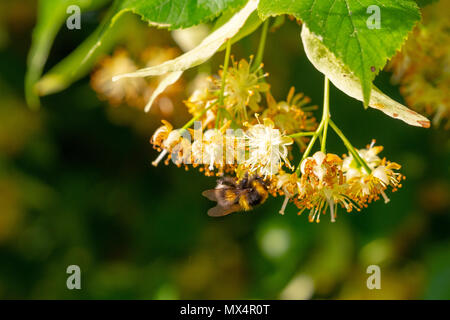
<point>191,122</point>
<point>326,114</point>
<point>302,134</point>
<point>323,126</point>
<point>360,161</point>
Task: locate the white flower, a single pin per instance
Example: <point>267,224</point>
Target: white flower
<point>322,186</point>
<point>289,185</point>
<point>267,148</point>
<point>369,155</point>
<point>367,186</point>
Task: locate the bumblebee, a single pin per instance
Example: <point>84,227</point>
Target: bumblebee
<point>234,195</point>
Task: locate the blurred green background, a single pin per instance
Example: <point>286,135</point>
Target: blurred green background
<point>77,187</point>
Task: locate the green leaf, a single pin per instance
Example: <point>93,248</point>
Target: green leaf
<point>51,16</point>
<point>175,14</point>
<point>342,25</point>
<point>170,14</point>
<point>340,75</point>
<point>79,62</point>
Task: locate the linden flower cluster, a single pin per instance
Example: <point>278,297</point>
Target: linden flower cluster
<point>260,150</point>
<point>237,132</point>
<point>367,186</point>
<point>229,134</point>
<point>422,68</point>
<point>242,89</point>
<point>292,115</point>
<point>327,181</point>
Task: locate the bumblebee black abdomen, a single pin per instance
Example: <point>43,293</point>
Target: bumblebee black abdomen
<point>254,198</point>
<point>255,195</point>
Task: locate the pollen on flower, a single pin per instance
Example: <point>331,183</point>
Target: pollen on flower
<point>285,184</point>
<point>323,187</point>
<point>161,134</point>
<point>292,115</point>
<point>365,186</point>
<point>171,143</point>
<point>202,98</point>
<point>267,148</point>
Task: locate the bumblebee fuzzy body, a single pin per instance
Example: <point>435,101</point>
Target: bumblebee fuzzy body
<point>236,195</point>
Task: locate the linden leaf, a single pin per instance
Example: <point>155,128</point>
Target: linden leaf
<point>171,14</point>
<point>345,80</point>
<point>175,14</point>
<point>50,17</point>
<point>75,65</point>
<point>346,29</point>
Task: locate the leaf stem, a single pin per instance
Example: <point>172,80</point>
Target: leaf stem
<point>310,145</point>
<point>322,131</point>
<point>361,162</point>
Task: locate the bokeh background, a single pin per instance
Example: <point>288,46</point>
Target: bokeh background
<point>77,187</point>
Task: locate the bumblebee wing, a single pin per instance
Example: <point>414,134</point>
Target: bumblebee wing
<point>210,194</point>
<point>219,211</point>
